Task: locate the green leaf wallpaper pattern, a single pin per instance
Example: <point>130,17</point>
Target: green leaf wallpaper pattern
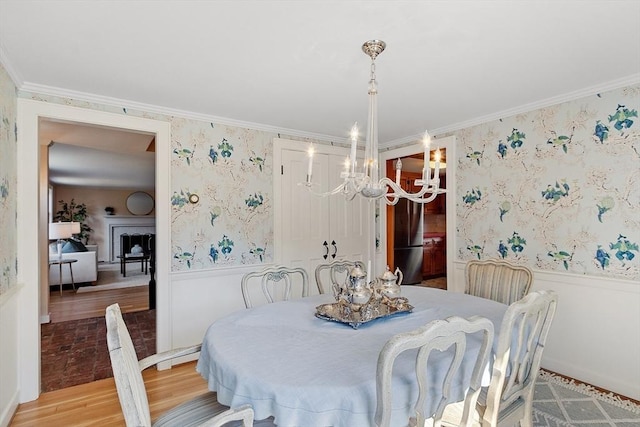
<point>184,153</point>
<point>600,166</point>
<point>565,177</point>
<point>621,119</point>
<point>232,223</point>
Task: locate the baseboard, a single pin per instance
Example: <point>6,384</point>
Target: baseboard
<point>45,319</point>
<point>9,411</point>
<point>615,385</point>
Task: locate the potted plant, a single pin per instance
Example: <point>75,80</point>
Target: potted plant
<point>76,212</point>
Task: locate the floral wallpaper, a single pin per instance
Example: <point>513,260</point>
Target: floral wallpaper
<point>230,169</point>
<point>8,177</point>
<point>557,189</point>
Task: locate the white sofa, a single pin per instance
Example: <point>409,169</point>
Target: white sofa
<point>84,270</point>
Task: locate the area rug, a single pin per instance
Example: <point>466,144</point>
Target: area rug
<point>112,279</point>
<point>562,402</point>
<point>75,352</point>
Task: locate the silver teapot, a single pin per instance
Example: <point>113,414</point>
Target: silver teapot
<point>389,283</point>
<point>358,290</point>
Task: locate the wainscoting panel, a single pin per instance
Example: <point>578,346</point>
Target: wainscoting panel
<point>594,336</point>
<point>201,297</point>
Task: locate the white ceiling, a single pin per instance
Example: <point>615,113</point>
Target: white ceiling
<point>99,157</point>
<point>297,65</point>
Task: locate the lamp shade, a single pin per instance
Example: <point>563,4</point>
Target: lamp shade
<point>60,230</point>
<point>75,226</point>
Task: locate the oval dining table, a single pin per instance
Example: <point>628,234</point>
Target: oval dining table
<point>309,372</point>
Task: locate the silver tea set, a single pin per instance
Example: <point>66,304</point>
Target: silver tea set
<point>357,290</point>
<point>359,300</point>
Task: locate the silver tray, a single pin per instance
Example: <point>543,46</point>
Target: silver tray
<point>355,315</point>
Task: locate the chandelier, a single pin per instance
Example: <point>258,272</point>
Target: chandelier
<point>364,180</point>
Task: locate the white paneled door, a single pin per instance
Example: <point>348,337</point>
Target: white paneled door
<point>309,229</point>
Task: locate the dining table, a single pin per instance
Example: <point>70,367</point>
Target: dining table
<point>306,371</point>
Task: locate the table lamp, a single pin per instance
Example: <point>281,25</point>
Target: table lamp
<point>75,228</point>
<point>59,231</point>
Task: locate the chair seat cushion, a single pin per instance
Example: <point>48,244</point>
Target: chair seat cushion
<point>192,412</point>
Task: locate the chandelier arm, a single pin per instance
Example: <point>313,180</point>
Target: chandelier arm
<point>339,189</point>
<point>397,193</point>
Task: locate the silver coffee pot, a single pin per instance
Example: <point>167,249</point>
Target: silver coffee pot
<point>358,290</point>
<point>389,283</point>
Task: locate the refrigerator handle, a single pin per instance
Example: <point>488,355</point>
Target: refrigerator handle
<point>335,249</point>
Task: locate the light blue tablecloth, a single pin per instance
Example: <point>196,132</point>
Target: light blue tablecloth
<point>309,372</point>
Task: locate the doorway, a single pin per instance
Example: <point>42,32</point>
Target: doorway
<point>32,224</point>
<point>416,233</point>
<point>444,223</point>
<point>89,168</point>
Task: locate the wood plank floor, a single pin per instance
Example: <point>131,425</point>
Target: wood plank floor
<point>74,306</point>
<point>96,403</point>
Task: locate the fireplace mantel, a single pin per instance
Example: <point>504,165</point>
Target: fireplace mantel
<point>115,225</point>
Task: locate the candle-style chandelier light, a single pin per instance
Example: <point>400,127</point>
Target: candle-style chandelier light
<point>365,180</point>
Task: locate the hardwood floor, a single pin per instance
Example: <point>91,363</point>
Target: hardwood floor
<point>83,305</point>
<point>96,403</point>
<point>438,282</point>
<point>74,306</point>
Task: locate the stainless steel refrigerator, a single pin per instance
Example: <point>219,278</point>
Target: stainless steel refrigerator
<point>407,240</point>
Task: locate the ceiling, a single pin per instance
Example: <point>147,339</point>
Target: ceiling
<point>98,157</point>
<point>297,66</point>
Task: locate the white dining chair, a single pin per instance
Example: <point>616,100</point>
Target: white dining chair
<point>277,283</point>
<point>509,397</point>
<point>203,410</point>
<point>497,279</point>
<point>337,272</point>
<point>450,335</point>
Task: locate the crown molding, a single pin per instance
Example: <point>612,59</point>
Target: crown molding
<point>6,63</point>
<point>150,108</point>
<point>633,79</point>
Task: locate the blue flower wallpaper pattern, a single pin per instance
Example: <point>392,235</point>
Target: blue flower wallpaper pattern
<point>557,189</point>
<point>228,168</point>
